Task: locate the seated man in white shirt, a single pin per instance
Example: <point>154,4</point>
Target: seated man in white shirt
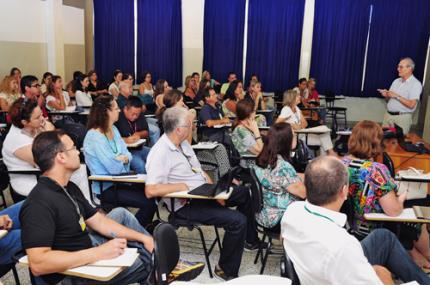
<point>323,252</point>
<point>172,166</point>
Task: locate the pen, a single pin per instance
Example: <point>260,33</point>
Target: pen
<point>113,235</point>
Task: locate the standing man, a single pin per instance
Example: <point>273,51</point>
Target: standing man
<point>403,96</point>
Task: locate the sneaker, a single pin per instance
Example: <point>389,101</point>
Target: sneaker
<point>186,271</point>
<point>256,245</point>
<point>220,274</point>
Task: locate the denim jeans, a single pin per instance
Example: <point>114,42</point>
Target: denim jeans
<point>138,161</point>
<point>154,130</point>
<point>381,247</point>
<point>140,269</point>
<point>11,243</point>
<point>238,225</point>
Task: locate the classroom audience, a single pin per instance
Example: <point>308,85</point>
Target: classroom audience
<point>291,114</point>
<point>302,90</point>
<point>114,86</point>
<point>106,154</point>
<point>27,123</point>
<point>174,98</point>
<point>56,98</point>
<point>31,90</point>
<point>61,230</point>
<point>207,75</point>
<point>231,77</point>
<point>146,90</point>
<point>172,166</point>
<point>233,94</point>
<point>161,88</point>
<point>95,87</point>
<point>46,81</point>
<point>83,97</point>
<point>246,135</point>
<point>321,249</point>
<point>15,72</point>
<point>9,92</point>
<point>133,127</point>
<point>190,92</point>
<point>125,91</point>
<point>373,190</point>
<point>212,116</point>
<point>281,185</point>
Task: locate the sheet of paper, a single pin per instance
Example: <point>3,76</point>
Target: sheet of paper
<point>126,259</point>
<point>407,214</point>
<point>136,144</point>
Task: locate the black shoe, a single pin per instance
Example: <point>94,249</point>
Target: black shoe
<point>220,274</point>
<point>256,245</point>
<point>186,271</point>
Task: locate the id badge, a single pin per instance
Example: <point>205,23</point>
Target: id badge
<point>196,170</point>
<point>82,223</point>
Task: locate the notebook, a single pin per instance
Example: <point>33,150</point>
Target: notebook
<point>3,233</point>
<point>211,190</point>
<point>422,212</point>
<point>136,144</point>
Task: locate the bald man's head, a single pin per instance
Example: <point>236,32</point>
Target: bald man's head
<point>325,177</point>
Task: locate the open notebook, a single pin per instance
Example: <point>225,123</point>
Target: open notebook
<point>3,233</point>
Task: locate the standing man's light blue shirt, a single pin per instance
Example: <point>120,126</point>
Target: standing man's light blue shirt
<point>409,89</point>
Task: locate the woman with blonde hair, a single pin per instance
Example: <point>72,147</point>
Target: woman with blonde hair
<point>290,113</point>
<point>373,190</point>
<point>9,92</point>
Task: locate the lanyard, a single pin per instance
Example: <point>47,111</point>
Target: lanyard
<point>318,214</point>
<point>115,150</point>
<point>133,127</point>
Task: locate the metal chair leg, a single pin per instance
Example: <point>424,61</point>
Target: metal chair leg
<point>218,239</point>
<point>205,250</point>
<point>260,250</point>
<point>15,275</point>
<point>266,254</point>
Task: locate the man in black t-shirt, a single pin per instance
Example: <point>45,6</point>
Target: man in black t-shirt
<point>132,126</point>
<point>56,216</point>
<point>213,119</point>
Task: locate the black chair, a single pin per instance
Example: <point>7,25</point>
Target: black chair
<point>166,252</point>
<point>388,162</point>
<point>335,113</point>
<point>192,225</point>
<point>288,271</point>
<point>4,183</point>
<point>5,268</point>
<point>16,197</point>
<point>270,234</point>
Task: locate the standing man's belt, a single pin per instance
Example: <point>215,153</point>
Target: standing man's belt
<point>397,113</point>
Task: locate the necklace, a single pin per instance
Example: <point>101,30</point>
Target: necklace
<point>114,148</point>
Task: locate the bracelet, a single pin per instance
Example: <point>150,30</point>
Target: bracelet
<point>257,138</point>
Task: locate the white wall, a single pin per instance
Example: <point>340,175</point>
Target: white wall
<point>35,34</point>
<point>192,36</point>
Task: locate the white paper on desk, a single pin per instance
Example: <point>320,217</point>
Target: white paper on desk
<point>319,129</point>
<point>411,174</point>
<point>411,283</point>
<point>136,144</point>
<point>407,214</point>
<point>96,271</point>
<point>3,233</point>
<point>205,145</point>
<point>222,126</point>
<point>126,259</point>
<point>119,177</point>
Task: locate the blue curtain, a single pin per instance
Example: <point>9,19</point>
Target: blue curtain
<point>224,22</point>
<point>399,29</point>
<point>274,42</point>
<point>113,37</point>
<point>159,44</point>
<point>339,45</point>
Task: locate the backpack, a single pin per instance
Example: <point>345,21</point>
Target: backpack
<point>302,156</point>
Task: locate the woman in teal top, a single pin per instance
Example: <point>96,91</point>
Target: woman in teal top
<point>106,154</point>
<point>281,185</point>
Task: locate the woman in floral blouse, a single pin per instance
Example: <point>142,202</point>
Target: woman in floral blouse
<point>373,190</point>
<point>281,185</point>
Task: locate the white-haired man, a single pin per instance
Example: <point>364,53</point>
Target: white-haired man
<point>403,96</point>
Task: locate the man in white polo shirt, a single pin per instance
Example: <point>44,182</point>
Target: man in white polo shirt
<point>172,166</point>
<point>323,252</point>
<point>403,96</point>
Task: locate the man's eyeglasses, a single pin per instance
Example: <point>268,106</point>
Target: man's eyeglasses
<point>72,148</point>
<point>37,85</point>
